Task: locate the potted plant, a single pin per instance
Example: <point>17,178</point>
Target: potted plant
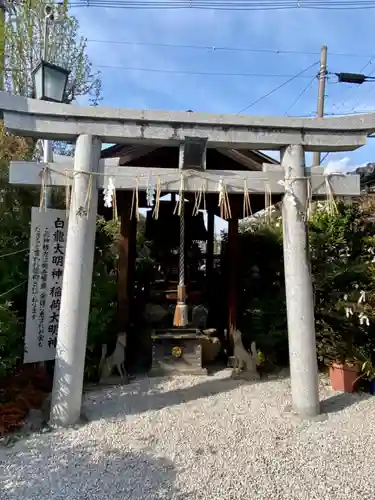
<point>344,375</point>
<point>368,373</point>
<point>337,351</point>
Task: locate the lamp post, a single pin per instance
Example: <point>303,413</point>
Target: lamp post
<point>50,81</point>
<point>49,85</point>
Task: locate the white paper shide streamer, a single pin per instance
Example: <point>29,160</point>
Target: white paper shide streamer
<point>363,319</point>
<point>150,195</point>
<point>109,192</point>
<point>362,297</point>
<point>348,312</point>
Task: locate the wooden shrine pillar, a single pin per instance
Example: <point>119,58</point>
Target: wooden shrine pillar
<point>232,270</point>
<point>131,267</point>
<point>126,263</point>
<point>210,250</point>
<point>210,292</point>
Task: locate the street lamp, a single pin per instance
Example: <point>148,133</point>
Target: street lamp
<point>50,82</point>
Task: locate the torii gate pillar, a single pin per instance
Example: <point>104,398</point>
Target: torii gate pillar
<point>76,289</point>
<point>298,286</point>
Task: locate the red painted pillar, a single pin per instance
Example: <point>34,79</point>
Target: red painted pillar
<point>232,275</point>
<point>126,262</point>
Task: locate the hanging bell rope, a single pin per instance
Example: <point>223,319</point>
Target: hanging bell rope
<point>181,312</point>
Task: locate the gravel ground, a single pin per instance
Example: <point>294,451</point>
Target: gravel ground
<point>192,438</point>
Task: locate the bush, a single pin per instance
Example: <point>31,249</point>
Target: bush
<point>15,206</point>
<point>11,339</point>
<point>261,295</point>
<point>342,248</point>
<point>103,310</point>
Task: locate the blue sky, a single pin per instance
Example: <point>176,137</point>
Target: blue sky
<point>344,32</point>
<point>348,32</point>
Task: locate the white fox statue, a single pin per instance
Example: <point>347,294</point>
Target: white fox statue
<point>245,362</point>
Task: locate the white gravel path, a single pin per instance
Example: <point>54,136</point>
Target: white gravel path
<point>193,438</point>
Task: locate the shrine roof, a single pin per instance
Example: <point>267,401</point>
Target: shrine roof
<point>167,156</point>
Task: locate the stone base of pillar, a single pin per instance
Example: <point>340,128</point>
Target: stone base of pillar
<point>307,414</point>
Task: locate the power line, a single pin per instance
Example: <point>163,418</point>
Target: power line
<point>234,5</point>
<point>298,75</point>
<point>301,94</point>
<point>184,72</point>
<point>324,158</point>
<point>203,73</point>
<point>216,48</point>
<point>371,87</point>
<point>371,58</point>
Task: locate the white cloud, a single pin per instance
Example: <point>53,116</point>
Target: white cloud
<point>341,166</point>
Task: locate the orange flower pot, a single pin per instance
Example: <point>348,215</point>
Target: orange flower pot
<point>343,376</point>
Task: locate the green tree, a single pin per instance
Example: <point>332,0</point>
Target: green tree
<point>14,239</point>
<point>342,250</point>
<point>261,292</point>
<point>24,46</point>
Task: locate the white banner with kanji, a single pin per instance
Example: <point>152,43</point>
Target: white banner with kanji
<point>46,266</point>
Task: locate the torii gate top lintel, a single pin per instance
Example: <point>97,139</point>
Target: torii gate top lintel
<point>40,119</point>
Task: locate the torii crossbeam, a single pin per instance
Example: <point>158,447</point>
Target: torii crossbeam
<point>129,177</point>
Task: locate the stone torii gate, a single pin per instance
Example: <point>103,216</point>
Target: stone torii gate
<point>90,126</point>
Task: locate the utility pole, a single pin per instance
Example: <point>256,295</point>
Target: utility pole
<point>47,145</point>
<point>321,94</point>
